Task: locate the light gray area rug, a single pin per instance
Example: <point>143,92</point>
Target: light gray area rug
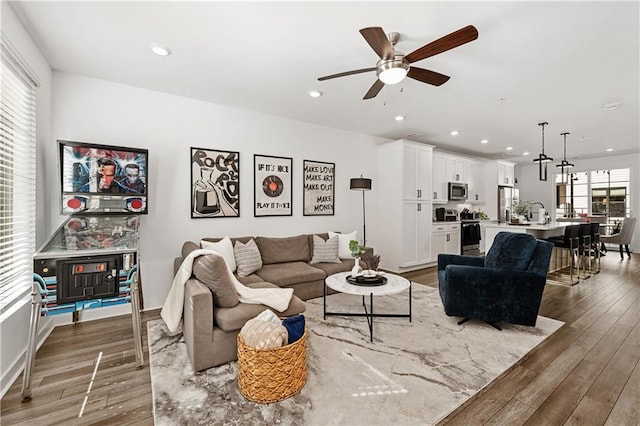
<point>413,373</point>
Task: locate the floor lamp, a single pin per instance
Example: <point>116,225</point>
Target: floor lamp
<point>362,184</point>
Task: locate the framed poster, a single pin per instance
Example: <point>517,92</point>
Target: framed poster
<point>215,183</point>
<point>318,188</point>
<point>272,185</point>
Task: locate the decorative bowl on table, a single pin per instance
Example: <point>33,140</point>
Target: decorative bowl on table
<point>362,280</point>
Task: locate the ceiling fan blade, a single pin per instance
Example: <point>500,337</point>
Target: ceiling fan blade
<point>378,41</point>
<point>455,39</point>
<point>346,73</point>
<point>374,90</point>
<point>427,76</point>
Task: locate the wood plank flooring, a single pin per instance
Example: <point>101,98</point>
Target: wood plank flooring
<point>588,373</point>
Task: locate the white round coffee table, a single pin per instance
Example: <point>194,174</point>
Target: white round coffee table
<point>395,284</point>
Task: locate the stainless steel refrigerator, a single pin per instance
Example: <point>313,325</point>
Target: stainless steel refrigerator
<point>506,195</point>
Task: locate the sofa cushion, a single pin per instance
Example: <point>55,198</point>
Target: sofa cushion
<point>333,268</point>
<point>224,247</point>
<point>212,270</point>
<point>232,319</point>
<point>511,251</point>
<point>243,240</point>
<point>343,245</point>
<point>247,258</point>
<point>282,274</point>
<point>280,250</point>
<point>253,278</point>
<point>325,251</point>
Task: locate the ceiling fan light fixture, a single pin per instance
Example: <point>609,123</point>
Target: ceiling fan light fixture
<point>392,71</point>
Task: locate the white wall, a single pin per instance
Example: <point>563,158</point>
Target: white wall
<point>14,325</point>
<point>91,110</point>
<point>531,188</point>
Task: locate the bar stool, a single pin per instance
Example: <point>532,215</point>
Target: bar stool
<point>570,242</point>
<point>584,244</point>
<point>594,251</point>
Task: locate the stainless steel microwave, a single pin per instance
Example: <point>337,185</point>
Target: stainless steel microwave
<point>457,191</point>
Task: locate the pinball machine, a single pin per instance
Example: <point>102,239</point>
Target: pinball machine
<point>92,260</point>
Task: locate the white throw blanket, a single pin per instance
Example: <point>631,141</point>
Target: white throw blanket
<point>276,298</point>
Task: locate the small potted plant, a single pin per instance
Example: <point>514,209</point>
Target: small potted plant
<point>522,209</point>
<point>356,251</point>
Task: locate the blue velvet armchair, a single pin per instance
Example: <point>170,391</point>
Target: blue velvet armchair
<point>504,286</point>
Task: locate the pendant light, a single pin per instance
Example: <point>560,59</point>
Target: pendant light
<point>542,159</point>
<point>564,164</point>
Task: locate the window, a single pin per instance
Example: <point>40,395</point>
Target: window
<point>17,173</point>
<point>594,193</point>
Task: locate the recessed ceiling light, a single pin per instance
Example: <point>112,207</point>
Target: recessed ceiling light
<point>314,93</point>
<point>160,50</point>
<point>484,141</point>
<point>609,149</point>
<point>399,117</point>
<point>509,148</point>
<point>525,153</point>
<point>454,133</point>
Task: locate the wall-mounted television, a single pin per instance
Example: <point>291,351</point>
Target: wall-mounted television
<point>103,178</point>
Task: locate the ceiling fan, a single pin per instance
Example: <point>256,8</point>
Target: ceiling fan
<point>394,65</point>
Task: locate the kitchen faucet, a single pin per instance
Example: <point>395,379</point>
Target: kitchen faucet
<point>546,219</point>
<point>531,211</point>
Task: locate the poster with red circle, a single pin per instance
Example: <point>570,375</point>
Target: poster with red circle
<point>272,182</point>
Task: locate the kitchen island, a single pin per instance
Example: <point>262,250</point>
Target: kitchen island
<point>537,230</point>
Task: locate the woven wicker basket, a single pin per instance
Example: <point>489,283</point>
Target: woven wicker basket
<point>271,375</point>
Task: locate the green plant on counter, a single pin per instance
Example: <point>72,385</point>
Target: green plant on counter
<point>522,208</point>
<point>482,215</point>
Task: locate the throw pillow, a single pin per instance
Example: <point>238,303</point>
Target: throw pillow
<point>225,248</point>
<point>248,258</point>
<point>188,247</point>
<point>325,251</point>
<point>343,245</point>
<point>212,270</point>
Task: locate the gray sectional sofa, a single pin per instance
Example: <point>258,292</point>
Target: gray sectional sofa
<point>211,331</point>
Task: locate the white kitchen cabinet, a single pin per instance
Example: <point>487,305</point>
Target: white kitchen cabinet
<point>445,238</point>
<point>440,182</point>
<point>455,169</point>
<point>405,219</point>
<point>416,166</point>
<point>506,173</point>
<point>416,244</point>
<point>475,181</point>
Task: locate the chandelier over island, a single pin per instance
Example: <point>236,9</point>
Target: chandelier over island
<point>542,159</point>
<point>564,164</point>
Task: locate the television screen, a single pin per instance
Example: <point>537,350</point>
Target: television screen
<point>103,178</point>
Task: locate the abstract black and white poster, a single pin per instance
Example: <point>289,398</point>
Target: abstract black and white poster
<point>215,183</point>
<point>272,182</point>
<point>318,189</point>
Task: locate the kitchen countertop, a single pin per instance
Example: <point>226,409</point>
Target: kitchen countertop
<point>532,226</point>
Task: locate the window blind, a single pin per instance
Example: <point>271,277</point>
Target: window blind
<point>17,177</point>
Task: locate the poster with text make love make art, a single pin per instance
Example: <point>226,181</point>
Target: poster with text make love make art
<point>272,185</point>
<point>319,188</point>
<point>215,183</point>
